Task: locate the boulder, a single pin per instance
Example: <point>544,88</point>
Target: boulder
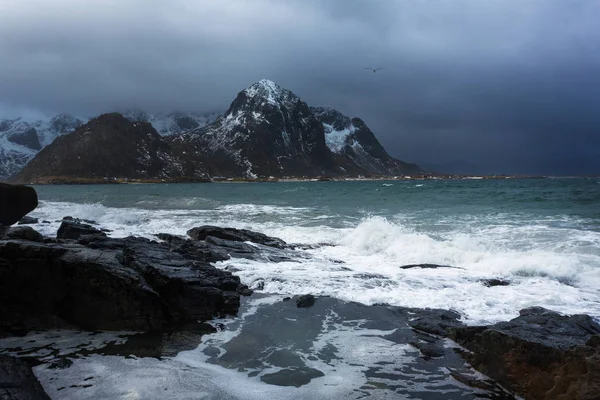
<point>16,201</point>
<point>108,284</point>
<point>73,229</point>
<point>235,235</point>
<point>28,220</point>
<point>430,320</point>
<point>305,301</point>
<point>23,232</point>
<point>540,355</point>
<point>17,381</point>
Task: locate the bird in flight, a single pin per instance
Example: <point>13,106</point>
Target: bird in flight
<point>374,69</point>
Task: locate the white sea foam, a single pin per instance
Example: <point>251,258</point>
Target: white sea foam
<point>550,261</point>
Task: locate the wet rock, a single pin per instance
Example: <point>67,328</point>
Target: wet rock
<point>305,301</point>
<point>17,381</point>
<point>256,252</point>
<point>28,220</point>
<point>109,284</point>
<point>73,229</point>
<point>494,282</point>
<point>194,250</point>
<point>81,220</point>
<point>427,266</point>
<point>16,201</point>
<point>429,346</point>
<point>539,355</point>
<point>429,350</point>
<point>235,235</point>
<point>435,321</point>
<point>295,376</point>
<point>23,232</point>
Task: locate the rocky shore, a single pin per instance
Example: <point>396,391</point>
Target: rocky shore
<point>83,279</point>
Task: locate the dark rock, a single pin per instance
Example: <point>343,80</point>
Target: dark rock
<point>109,284</point>
<point>495,282</point>
<point>295,376</point>
<point>235,235</point>
<point>430,350</point>
<point>79,220</point>
<point>45,222</point>
<point>17,381</point>
<point>434,321</point>
<point>305,301</point>
<point>539,355</point>
<point>70,229</point>
<point>28,220</point>
<point>16,201</point>
<point>23,232</point>
<point>28,138</point>
<point>427,266</point>
<point>256,252</point>
<point>194,250</point>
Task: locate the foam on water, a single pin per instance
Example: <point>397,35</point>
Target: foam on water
<point>551,261</point>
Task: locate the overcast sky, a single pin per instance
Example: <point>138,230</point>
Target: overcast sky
<point>495,86</point>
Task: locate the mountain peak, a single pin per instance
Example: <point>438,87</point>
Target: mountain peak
<point>268,90</point>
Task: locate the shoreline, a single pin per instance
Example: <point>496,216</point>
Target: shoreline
<point>127,181</point>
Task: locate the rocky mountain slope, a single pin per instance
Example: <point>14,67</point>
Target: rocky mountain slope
<point>268,131</point>
<point>22,138</point>
<point>356,148</point>
<point>108,147</point>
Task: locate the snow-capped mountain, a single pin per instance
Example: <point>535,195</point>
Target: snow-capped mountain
<point>270,131</point>
<point>267,131</point>
<point>356,148</point>
<point>21,138</point>
<point>109,146</point>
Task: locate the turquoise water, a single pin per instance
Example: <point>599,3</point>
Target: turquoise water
<point>543,235</point>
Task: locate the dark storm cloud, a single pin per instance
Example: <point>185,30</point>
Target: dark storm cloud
<point>483,86</point>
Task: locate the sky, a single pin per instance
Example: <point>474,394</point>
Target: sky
<point>494,87</point>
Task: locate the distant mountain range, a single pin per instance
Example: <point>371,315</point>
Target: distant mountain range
<point>267,131</point>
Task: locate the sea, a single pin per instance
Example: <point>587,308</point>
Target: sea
<point>539,235</point>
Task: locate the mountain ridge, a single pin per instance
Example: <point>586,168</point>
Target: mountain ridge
<point>267,131</point>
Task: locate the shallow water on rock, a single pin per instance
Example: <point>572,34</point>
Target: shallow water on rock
<point>273,350</point>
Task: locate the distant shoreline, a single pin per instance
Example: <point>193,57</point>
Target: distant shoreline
<point>125,181</point>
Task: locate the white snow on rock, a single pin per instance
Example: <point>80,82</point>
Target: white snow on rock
<point>336,140</point>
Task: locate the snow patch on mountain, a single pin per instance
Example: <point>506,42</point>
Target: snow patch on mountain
<point>13,157</point>
<point>336,140</point>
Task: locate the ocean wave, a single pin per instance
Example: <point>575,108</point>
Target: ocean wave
<point>549,261</point>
